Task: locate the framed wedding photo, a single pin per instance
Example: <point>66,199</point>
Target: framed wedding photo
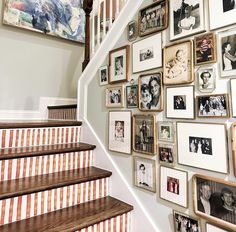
<point>120,131</point>
<point>132,96</point>
<point>151,92</point>
<point>153,18</point>
<point>166,153</point>
<point>213,228</point>
<point>174,186</point>
<point>213,200</point>
<point>166,131</point>
<point>144,134</point>
<point>233,96</point>
<point>203,145</point>
<point>180,102</point>
<point>119,65</point>
<point>233,139</point>
<point>115,96</point>
<point>178,63</point>
<point>103,75</point>
<point>145,173</point>
<point>132,31</point>
<point>186,18</point>
<point>147,53</point>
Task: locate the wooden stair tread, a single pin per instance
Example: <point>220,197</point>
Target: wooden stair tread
<point>18,187</point>
<point>72,218</point>
<point>20,152</point>
<point>69,106</point>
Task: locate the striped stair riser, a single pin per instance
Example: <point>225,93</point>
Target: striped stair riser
<point>66,114</point>
<point>38,136</point>
<point>33,166</point>
<point>30,205</point>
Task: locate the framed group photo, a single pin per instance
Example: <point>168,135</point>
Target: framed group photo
<point>103,75</point>
<point>233,96</point>
<point>166,131</point>
<point>132,96</point>
<point>166,153</point>
<point>115,96</point>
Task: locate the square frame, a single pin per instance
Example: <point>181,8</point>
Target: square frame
<point>115,96</point>
<point>166,153</point>
<point>233,96</point>
<point>103,75</point>
<point>166,131</point>
<point>132,31</point>
<point>132,96</point>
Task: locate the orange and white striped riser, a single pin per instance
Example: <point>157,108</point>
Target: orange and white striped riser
<point>30,205</point>
<point>26,137</point>
<point>40,165</point>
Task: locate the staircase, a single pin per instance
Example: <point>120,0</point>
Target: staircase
<point>48,183</point>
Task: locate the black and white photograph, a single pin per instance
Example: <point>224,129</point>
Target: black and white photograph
<point>132,96</point>
<point>166,131</point>
<point>146,54</point>
<point>172,185</point>
<point>119,131</point>
<point>103,75</point>
<point>132,31</point>
<point>166,153</point>
<point>179,102</point>
<point>228,5</point>
<point>119,68</point>
<point>115,96</point>
<point>200,146</point>
<point>206,78</point>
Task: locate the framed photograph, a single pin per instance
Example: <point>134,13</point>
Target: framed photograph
<point>233,96</point>
<point>203,145</point>
<point>132,96</point>
<point>233,139</point>
<point>214,199</point>
<point>151,92</point>
<point>115,96</point>
<point>212,228</point>
<point>225,10</point>
<point>180,102</point>
<point>174,186</point>
<point>119,65</point>
<point>144,134</point>
<point>62,19</point>
<point>166,153</point>
<point>178,63</point>
<point>213,106</point>
<point>186,18</point>
<point>147,53</point>
<point>227,51</point>
<point>166,131</point>
<point>183,222</point>
<point>132,30</point>
<point>119,138</point>
<point>145,173</point>
<point>206,79</point>
<point>205,48</point>
<point>153,18</point>
<point>103,75</point>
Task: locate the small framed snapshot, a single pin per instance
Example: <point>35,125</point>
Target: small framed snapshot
<point>144,134</point>
<point>183,222</point>
<point>153,18</point>
<point>178,63</point>
<point>213,106</point>
<point>151,92</point>
<point>233,139</point>
<point>213,228</point>
<point>203,145</point>
<point>166,153</point>
<point>214,199</point>
<point>186,18</point>
<point>147,53</point>
<point>145,173</point>
<point>174,186</point>
<point>233,96</point>
<point>205,48</point>
<point>180,102</point>
<point>227,52</point>
<point>103,75</point>
<point>132,96</point>
<point>166,131</point>
<point>120,131</point>
<point>206,79</point>
<point>119,65</point>
<point>115,96</point>
<point>132,31</point>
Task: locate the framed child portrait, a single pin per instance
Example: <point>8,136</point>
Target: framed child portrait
<point>115,96</point>
<point>233,96</point>
<point>132,96</point>
<point>166,131</point>
<point>132,30</point>
<point>103,75</point>
<point>166,153</point>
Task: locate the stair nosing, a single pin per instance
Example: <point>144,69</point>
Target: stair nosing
<point>69,106</point>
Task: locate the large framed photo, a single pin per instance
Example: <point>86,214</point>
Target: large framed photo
<point>173,186</point>
<point>178,63</point>
<point>166,153</point>
<point>153,18</point>
<point>233,139</point>
<point>166,131</point>
<point>213,106</point>
<point>115,96</point>
<point>186,18</point>
<point>233,95</point>
<point>151,92</point>
<point>120,131</point>
<point>132,30</point>
<point>119,64</point>
<point>202,145</point>
<point>144,134</point>
<point>147,53</point>
<point>132,96</point>
<point>62,19</point>
<point>180,102</point>
<point>214,200</point>
<point>213,228</point>
<point>145,173</point>
<point>103,75</point>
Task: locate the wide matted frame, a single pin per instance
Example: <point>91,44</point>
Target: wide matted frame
<point>203,145</point>
<point>115,96</point>
<point>213,228</point>
<point>233,96</point>
<point>166,131</point>
<point>103,75</point>
<point>132,96</point>
<point>233,139</point>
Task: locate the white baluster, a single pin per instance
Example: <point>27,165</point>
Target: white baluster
<point>104,17</point>
<point>99,22</point>
<point>111,13</point>
<point>117,8</point>
<point>93,32</point>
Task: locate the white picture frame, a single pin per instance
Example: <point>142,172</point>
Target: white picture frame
<point>233,96</point>
<point>103,75</point>
<point>212,228</point>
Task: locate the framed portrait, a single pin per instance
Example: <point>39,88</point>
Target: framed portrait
<point>115,96</point>
<point>180,102</point>
<point>205,48</point>
<point>178,63</point>
<point>119,65</point>
<point>151,92</point>
<point>203,145</point>
<point>132,96</point>
<point>213,199</point>
<point>166,131</point>
<point>120,131</point>
<point>206,79</point>
<point>183,222</point>
<point>227,51</point>
<point>47,17</point>
<point>233,96</point>
<point>213,228</point>
<point>153,18</point>
<point>147,53</point>
<point>166,153</point>
<point>145,173</point>
<point>233,139</point>
<point>213,106</point>
<point>225,10</point>
<point>103,75</point>
<point>132,30</point>
<point>186,18</point>
<point>174,186</point>
<point>144,134</point>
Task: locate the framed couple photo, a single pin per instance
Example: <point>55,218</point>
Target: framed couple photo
<point>115,96</point>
